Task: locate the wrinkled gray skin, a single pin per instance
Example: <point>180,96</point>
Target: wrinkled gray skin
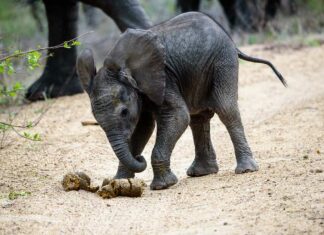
<point>176,74</point>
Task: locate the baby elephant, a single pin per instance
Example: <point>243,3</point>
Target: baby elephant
<point>177,73</point>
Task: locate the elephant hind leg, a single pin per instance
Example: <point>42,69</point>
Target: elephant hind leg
<point>225,105</point>
<point>205,158</point>
<point>230,116</point>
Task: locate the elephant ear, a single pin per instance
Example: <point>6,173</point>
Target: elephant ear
<point>140,53</point>
<point>86,69</point>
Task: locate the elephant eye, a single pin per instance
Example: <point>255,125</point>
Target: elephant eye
<point>124,112</point>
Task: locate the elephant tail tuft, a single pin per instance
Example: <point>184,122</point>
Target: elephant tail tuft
<point>243,56</point>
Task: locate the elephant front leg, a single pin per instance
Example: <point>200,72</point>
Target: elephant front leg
<point>142,134</point>
<point>171,124</point>
<point>205,158</point>
<point>59,77</point>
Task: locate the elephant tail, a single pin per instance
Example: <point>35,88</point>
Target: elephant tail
<point>243,56</point>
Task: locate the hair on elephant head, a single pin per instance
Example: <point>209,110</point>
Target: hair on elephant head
<point>133,68</point>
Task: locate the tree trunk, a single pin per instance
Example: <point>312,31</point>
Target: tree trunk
<point>59,77</point>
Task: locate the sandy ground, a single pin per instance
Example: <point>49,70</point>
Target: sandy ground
<point>285,129</point>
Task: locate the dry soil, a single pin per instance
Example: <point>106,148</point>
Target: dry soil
<point>285,129</point>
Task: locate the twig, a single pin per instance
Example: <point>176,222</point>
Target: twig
<point>36,121</point>
<point>17,132</point>
<point>43,48</point>
<point>89,123</point>
<point>13,127</point>
<point>33,123</point>
<point>2,145</point>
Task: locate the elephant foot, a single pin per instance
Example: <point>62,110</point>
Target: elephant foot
<point>46,88</point>
<point>163,181</point>
<point>123,173</point>
<point>202,167</point>
<point>246,164</point>
<point>163,177</point>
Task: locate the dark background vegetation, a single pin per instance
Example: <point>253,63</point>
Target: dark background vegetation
<point>23,26</point>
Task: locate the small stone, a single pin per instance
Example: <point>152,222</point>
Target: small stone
<point>305,157</point>
<point>318,171</point>
<point>7,203</point>
<point>225,223</point>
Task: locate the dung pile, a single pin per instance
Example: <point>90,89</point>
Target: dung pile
<point>77,181</point>
<point>121,187</point>
<point>110,187</point>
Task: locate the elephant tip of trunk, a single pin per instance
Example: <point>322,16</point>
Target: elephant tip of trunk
<point>142,164</point>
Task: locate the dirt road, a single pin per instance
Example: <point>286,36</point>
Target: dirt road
<point>285,129</point>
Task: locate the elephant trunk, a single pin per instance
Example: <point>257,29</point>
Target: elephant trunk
<point>122,151</point>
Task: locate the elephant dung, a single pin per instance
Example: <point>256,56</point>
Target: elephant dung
<point>77,181</point>
<point>106,181</point>
<point>121,187</point>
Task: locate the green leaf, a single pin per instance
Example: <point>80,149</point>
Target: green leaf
<point>76,43</point>
<point>2,67</point>
<point>4,127</point>
<point>6,66</point>
<point>66,45</point>
<point>33,59</point>
<point>17,86</point>
<point>23,193</point>
<point>29,124</point>
<point>36,137</point>
<point>17,52</point>
<point>12,93</point>
<point>10,70</point>
<point>15,195</point>
<point>27,135</point>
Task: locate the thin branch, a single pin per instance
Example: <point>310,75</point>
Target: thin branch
<point>31,124</point>
<point>13,127</point>
<point>17,132</point>
<point>43,48</point>
<point>4,132</point>
<point>39,118</point>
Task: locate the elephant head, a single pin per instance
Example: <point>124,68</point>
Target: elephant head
<point>133,68</point>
